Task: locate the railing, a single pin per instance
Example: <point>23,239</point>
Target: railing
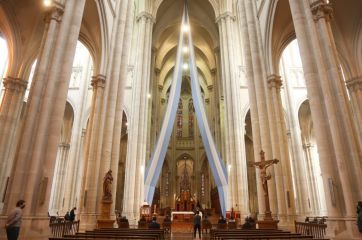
<point>317,230</point>
<point>59,229</point>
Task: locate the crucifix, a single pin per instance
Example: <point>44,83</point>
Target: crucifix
<point>263,165</point>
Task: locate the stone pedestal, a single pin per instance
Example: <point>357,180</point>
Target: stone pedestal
<point>105,220</point>
<point>268,224</point>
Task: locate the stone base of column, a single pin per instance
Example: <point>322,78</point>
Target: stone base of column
<point>268,224</point>
<point>105,220</point>
<point>88,221</point>
<point>32,228</point>
<point>342,228</point>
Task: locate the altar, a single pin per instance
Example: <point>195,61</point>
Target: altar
<point>182,221</point>
<point>183,216</point>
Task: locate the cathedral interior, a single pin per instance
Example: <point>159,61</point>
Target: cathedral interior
<point>86,84</point>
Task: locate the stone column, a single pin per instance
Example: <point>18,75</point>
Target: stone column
<point>75,155</point>
<point>311,178</point>
<point>56,201</point>
<point>284,184</point>
<point>233,135</point>
<point>354,86</point>
<point>90,181</point>
<point>338,147</point>
<point>11,107</point>
<point>298,160</point>
<point>136,158</point>
<point>262,126</point>
<point>35,160</point>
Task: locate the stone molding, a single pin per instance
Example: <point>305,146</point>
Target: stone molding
<point>274,81</point>
<point>225,16</point>
<point>64,145</point>
<point>55,13</point>
<point>321,9</point>
<point>146,16</point>
<point>98,81</point>
<point>15,84</point>
<point>210,87</point>
<point>354,84</point>
<point>157,71</point>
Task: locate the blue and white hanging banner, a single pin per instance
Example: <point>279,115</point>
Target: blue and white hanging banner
<point>216,164</point>
<point>155,164</point>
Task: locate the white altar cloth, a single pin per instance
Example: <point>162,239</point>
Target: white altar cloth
<point>184,213</point>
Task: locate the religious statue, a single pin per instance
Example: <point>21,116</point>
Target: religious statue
<point>263,165</point>
<point>107,186</point>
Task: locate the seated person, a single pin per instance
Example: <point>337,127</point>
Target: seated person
<point>153,224</point>
<point>222,220</point>
<point>67,216</point>
<point>142,223</point>
<point>249,223</point>
<point>122,222</point>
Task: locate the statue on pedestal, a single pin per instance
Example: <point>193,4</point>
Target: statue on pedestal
<point>107,186</point>
<point>263,165</point>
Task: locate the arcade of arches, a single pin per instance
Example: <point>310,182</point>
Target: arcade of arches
<point>86,84</point>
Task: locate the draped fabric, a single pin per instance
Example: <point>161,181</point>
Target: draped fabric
<point>155,164</point>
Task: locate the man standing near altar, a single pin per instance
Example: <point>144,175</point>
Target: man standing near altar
<point>197,224</point>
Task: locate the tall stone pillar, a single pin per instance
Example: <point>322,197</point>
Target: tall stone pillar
<point>302,191</point>
<point>285,189</point>
<point>90,181</point>
<point>136,158</point>
<point>354,86</point>
<point>263,128</point>
<point>338,147</point>
<point>105,124</point>
<point>35,160</point>
<point>238,192</point>
<point>11,107</point>
<point>56,201</point>
<point>75,154</point>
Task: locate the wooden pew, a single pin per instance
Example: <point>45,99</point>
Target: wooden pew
<point>116,233</point>
<point>255,234</point>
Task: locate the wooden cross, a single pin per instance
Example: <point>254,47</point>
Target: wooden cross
<point>263,165</point>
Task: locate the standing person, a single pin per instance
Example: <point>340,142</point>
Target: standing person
<point>72,214</point>
<point>14,221</point>
<point>197,224</point>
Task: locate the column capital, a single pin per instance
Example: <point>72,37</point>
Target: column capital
<point>55,12</point>
<point>210,87</point>
<point>274,81</point>
<point>163,100</point>
<point>207,100</point>
<point>64,145</point>
<point>213,71</point>
<point>224,16</point>
<point>157,71</point>
<point>354,83</point>
<point>321,9</point>
<point>146,16</point>
<point>98,81</point>
<point>15,84</point>
<point>160,88</point>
